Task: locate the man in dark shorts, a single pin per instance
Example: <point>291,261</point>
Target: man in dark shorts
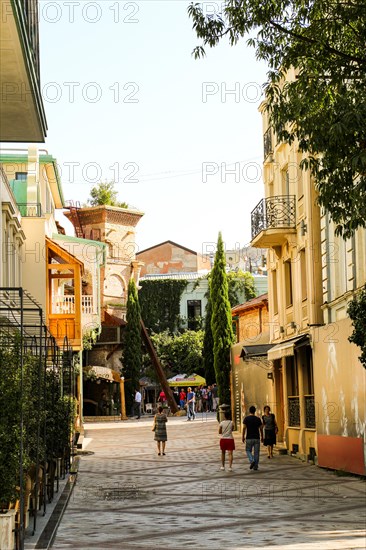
<point>251,428</point>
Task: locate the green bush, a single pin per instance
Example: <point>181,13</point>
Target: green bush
<point>33,412</point>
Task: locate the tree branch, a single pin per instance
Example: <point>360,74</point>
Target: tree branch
<point>308,40</point>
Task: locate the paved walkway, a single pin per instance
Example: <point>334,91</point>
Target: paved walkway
<point>126,497</point>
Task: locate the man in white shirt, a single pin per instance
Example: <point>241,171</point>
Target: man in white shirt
<point>138,398</point>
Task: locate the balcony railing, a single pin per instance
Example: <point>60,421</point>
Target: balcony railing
<point>65,305</point>
<point>293,411</point>
<point>29,21</point>
<point>30,209</point>
<point>274,213</point>
<point>309,411</point>
<point>267,143</point>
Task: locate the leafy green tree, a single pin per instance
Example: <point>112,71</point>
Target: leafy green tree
<point>324,106</point>
<point>104,193</point>
<point>132,351</point>
<point>180,353</point>
<point>240,283</point>
<point>357,312</point>
<point>221,323</point>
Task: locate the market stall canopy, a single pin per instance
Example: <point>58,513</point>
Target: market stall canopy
<point>184,380</point>
<point>104,373</point>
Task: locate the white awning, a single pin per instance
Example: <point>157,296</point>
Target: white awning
<point>286,349</point>
<point>104,373</point>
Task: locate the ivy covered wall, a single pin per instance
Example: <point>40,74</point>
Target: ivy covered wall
<point>160,303</point>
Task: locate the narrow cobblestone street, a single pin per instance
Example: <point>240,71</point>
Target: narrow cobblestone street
<point>127,497</point>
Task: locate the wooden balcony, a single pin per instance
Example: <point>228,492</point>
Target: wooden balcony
<point>272,220</point>
<point>66,305</point>
<point>64,318</point>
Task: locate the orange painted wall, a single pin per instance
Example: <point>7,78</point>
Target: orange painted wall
<point>341,453</point>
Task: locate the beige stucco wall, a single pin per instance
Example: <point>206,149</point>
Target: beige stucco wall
<point>34,259</point>
<point>250,384</point>
<point>340,382</point>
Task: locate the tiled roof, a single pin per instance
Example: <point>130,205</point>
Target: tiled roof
<point>167,242</point>
<point>263,298</point>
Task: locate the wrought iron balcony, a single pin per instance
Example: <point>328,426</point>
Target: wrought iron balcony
<point>309,411</point>
<point>30,209</point>
<point>293,411</point>
<point>274,213</point>
<point>267,143</point>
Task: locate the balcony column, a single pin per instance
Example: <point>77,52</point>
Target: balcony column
<point>285,400</point>
<point>281,296</point>
<point>300,377</point>
<point>79,392</point>
<point>33,176</point>
<point>123,402</point>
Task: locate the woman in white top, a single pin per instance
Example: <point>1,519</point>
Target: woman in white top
<point>227,442</point>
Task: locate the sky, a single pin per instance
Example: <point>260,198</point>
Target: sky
<point>126,101</point>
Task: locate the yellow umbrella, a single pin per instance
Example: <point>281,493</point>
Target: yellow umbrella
<point>181,380</point>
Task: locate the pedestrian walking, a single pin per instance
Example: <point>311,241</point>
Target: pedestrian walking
<point>176,396</point>
<point>198,400</point>
<point>138,398</point>
<point>215,399</point>
<point>227,442</point>
<point>270,430</point>
<point>104,403</point>
<point>252,425</point>
<point>191,399</point>
<point>159,427</point>
<point>209,399</point>
<point>182,398</point>
<point>162,397</point>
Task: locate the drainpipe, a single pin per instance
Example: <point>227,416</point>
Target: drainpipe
<point>329,273</point>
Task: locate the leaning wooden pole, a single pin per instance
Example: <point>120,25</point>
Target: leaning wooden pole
<point>158,368</point>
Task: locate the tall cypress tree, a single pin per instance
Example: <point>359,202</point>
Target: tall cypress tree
<point>221,323</point>
<point>207,352</point>
<point>132,354</point>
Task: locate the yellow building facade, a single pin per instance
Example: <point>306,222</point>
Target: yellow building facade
<point>340,387</point>
<point>319,383</point>
<point>252,373</point>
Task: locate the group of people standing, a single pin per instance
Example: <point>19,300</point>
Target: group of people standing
<point>255,431</point>
<point>205,398</point>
